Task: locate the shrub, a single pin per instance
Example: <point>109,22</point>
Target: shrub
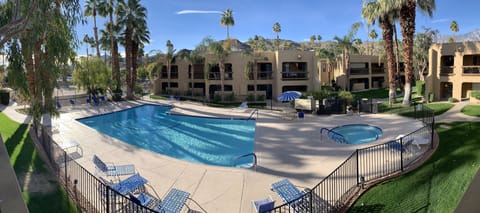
<point>348,96</point>
<point>452,100</point>
<point>138,90</point>
<point>431,97</point>
<point>117,95</point>
<point>260,97</point>
<point>217,98</point>
<point>230,97</point>
<point>4,97</point>
<point>420,87</point>
<point>250,98</point>
<point>476,94</point>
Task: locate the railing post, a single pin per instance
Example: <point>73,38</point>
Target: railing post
<point>432,128</point>
<point>108,197</point>
<point>401,153</point>
<point>65,163</point>
<point>358,168</point>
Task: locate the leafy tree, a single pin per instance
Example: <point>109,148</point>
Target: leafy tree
<point>422,43</point>
<point>227,20</point>
<point>91,74</point>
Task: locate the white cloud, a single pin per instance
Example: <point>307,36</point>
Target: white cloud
<point>441,20</point>
<point>198,12</point>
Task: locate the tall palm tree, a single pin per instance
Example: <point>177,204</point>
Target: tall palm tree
<point>346,44</point>
<point>407,23</point>
<point>373,35</point>
<point>319,38</point>
<point>140,37</point>
<point>107,8</point>
<point>131,15</point>
<point>454,28</point>
<point>331,56</point>
<point>91,10</point>
<point>169,59</point>
<point>373,11</point>
<point>227,20</point>
<point>277,29</point>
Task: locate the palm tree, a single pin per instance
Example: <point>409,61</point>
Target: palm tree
<point>169,59</point>
<point>193,57</point>
<point>346,44</point>
<point>454,28</point>
<point>91,10</point>
<point>277,29</point>
<point>107,8</point>
<point>220,54</point>
<point>319,38</point>
<point>407,23</point>
<point>312,40</point>
<point>131,15</point>
<point>331,56</point>
<point>227,20</point>
<point>373,11</point>
<point>373,35</point>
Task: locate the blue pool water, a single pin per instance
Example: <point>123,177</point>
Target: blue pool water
<point>356,133</point>
<point>197,139</point>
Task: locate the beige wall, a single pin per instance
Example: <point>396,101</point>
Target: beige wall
<point>437,78</point>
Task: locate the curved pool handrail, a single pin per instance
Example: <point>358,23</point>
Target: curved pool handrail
<point>246,155</point>
<point>336,136</point>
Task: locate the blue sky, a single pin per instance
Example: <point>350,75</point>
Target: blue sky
<point>298,19</point>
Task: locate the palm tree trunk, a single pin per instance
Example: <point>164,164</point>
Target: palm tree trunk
<point>128,64</point>
<point>397,59</point>
<point>407,22</point>
<point>134,64</point>
<point>95,31</point>
<point>191,78</point>
<point>222,77</point>
<point>387,33</point>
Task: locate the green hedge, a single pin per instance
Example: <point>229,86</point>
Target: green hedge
<point>4,97</point>
<point>476,94</point>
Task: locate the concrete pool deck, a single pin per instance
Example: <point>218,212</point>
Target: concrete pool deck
<point>285,149</point>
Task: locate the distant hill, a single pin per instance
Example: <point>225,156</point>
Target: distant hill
<point>471,36</point>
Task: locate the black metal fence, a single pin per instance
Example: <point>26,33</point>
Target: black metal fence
<point>89,193</point>
<point>373,163</point>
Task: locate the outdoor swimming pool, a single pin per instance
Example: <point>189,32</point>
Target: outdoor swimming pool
<point>210,141</point>
<point>355,133</point>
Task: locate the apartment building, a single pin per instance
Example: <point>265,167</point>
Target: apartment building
<point>267,74</point>
<point>454,70</point>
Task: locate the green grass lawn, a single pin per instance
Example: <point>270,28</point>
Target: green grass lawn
<point>24,158</point>
<point>438,108</point>
<point>472,110</point>
<point>436,186</point>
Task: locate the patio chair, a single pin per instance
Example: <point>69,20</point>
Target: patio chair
<point>243,106</point>
<point>110,169</point>
<point>173,202</point>
<point>95,100</point>
<point>72,102</point>
<point>290,194</point>
<point>263,205</point>
<point>132,184</point>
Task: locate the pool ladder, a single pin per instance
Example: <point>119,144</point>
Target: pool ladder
<point>335,135</point>
<point>252,114</point>
<point>254,165</point>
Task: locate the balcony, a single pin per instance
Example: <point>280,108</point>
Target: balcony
<point>294,76</point>
<point>164,75</point>
<point>359,71</point>
<point>471,69</point>
<point>378,70</point>
<point>214,76</point>
<point>174,75</point>
<point>446,70</point>
<point>198,75</point>
<point>228,76</point>
<point>265,75</point>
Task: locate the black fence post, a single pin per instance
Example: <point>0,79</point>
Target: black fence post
<point>432,129</point>
<point>65,163</point>
<point>108,197</point>
<point>401,153</point>
<point>358,168</point>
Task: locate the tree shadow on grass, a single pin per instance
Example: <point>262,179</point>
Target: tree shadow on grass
<point>367,208</point>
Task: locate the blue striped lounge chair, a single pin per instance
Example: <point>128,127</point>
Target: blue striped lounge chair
<point>290,194</point>
<point>173,202</point>
<point>110,169</point>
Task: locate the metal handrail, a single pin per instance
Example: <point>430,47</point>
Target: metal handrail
<point>252,114</point>
<point>246,155</point>
<point>337,136</point>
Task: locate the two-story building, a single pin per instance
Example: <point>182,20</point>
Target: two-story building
<point>454,70</point>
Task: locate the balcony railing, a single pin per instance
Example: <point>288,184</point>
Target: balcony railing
<point>198,75</point>
<point>446,70</point>
<point>471,69</point>
<point>379,70</point>
<point>228,76</point>
<point>264,75</point>
<point>294,75</point>
<point>214,76</point>
<point>357,71</point>
<point>174,75</point>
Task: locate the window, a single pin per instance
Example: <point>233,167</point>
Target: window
<point>250,87</point>
<point>227,88</point>
<point>173,85</point>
